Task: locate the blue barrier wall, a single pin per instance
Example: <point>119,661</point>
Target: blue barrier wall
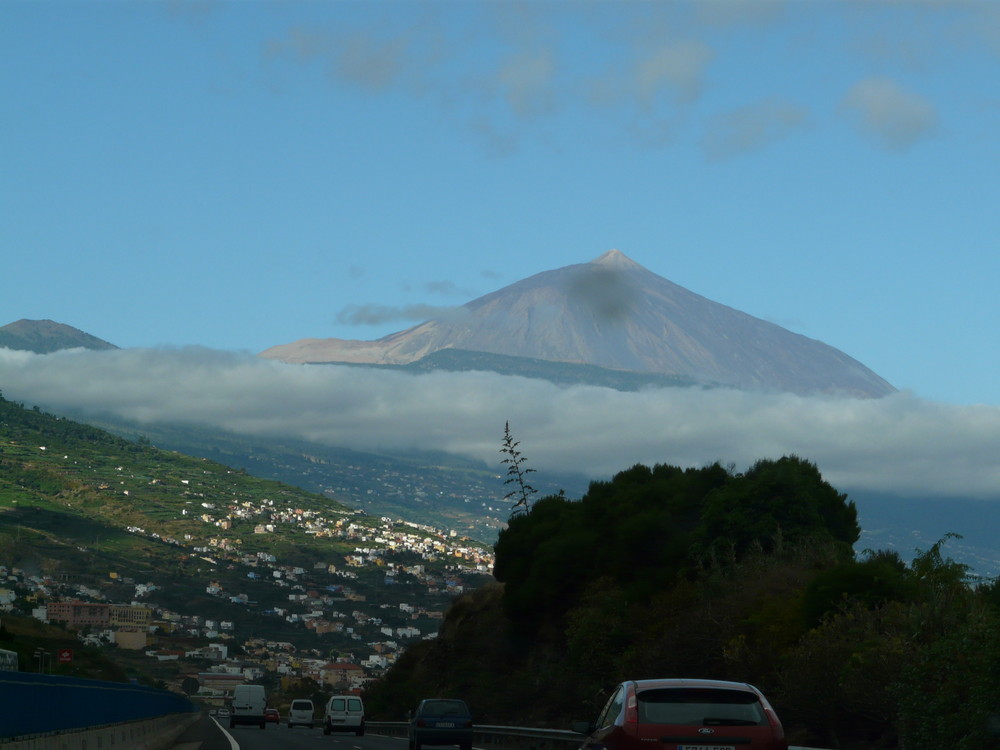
<point>33,703</point>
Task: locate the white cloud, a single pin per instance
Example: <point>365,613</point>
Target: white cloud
<point>678,66</point>
<point>897,118</point>
<point>899,443</point>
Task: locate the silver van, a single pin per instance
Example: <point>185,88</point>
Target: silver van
<point>344,713</point>
<point>301,713</point>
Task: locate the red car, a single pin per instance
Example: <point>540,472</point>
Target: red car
<point>271,714</point>
<point>684,714</point>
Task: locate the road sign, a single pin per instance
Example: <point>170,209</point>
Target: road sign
<point>65,655</point>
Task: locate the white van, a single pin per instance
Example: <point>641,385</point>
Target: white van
<point>301,712</point>
<point>344,713</point>
<point>249,702</point>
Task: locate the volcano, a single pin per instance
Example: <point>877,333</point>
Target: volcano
<point>613,314</point>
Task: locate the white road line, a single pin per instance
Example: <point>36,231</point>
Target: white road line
<point>233,744</point>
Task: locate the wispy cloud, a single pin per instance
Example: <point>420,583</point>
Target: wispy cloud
<point>359,57</point>
<point>898,443</point>
<point>371,315</point>
<point>895,117</point>
<point>447,288</point>
<point>527,81</point>
<point>752,127</point>
<point>677,67</point>
<point>503,71</point>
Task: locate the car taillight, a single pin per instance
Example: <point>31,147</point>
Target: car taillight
<point>772,719</point>
<point>469,723</point>
<point>421,723</point>
<point>632,710</point>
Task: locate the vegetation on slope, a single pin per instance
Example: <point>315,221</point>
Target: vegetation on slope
<point>97,512</point>
<point>38,645</point>
<point>706,573</point>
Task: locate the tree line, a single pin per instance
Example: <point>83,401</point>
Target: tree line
<point>705,572</point>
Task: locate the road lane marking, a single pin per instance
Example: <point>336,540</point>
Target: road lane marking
<point>233,744</point>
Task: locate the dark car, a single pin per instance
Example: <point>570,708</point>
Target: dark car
<point>441,721</point>
<point>272,715</point>
<point>684,714</point>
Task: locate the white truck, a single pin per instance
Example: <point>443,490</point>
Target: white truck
<point>249,702</point>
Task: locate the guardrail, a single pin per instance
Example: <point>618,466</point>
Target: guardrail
<point>514,738</point>
<point>527,737</point>
<point>508,738</point>
<point>145,734</point>
<point>38,704</point>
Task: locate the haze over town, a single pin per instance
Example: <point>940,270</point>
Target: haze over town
<point>198,181</point>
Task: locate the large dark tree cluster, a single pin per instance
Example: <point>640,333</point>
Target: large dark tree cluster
<point>648,528</point>
<point>706,572</point>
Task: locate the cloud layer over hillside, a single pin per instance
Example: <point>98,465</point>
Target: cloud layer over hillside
<point>898,443</point>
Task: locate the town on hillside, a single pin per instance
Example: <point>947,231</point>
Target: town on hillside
<point>340,623</point>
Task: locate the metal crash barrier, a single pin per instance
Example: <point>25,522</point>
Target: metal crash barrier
<point>507,738</point>
<point>63,713</point>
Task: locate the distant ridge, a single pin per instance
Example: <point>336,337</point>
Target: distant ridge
<point>612,313</point>
<point>46,336</point>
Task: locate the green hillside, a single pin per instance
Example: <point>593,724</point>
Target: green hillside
<point>69,483</point>
<point>97,515</point>
<point>46,336</point>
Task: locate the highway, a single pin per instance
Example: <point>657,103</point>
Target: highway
<point>208,734</point>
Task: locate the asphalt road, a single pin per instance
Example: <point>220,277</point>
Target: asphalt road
<point>208,734</point>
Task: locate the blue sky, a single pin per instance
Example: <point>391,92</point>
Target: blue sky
<point>199,180</point>
<point>239,174</point>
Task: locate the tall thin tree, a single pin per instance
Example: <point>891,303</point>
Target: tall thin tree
<point>516,473</point>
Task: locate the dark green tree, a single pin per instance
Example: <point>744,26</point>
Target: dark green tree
<point>880,577</point>
<point>774,504</point>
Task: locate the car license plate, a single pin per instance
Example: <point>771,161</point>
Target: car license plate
<point>446,723</point>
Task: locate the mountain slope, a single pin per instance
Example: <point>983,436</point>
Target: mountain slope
<point>80,504</point>
<point>615,314</point>
<point>46,336</point>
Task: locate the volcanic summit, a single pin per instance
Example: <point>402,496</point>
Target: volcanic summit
<point>615,314</point>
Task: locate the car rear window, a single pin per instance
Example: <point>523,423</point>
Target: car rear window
<point>700,707</point>
<point>353,704</point>
<point>302,705</point>
<point>444,708</point>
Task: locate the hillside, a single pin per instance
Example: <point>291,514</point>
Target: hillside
<point>85,514</point>
<point>46,336</point>
<point>613,314</point>
<point>435,489</point>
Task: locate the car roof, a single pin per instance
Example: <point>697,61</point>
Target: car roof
<point>688,682</point>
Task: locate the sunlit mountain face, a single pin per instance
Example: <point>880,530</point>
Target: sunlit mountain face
<point>615,314</point>
<point>45,336</point>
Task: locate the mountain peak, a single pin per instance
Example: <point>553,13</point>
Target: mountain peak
<point>46,336</point>
<point>615,259</point>
<point>612,313</point>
